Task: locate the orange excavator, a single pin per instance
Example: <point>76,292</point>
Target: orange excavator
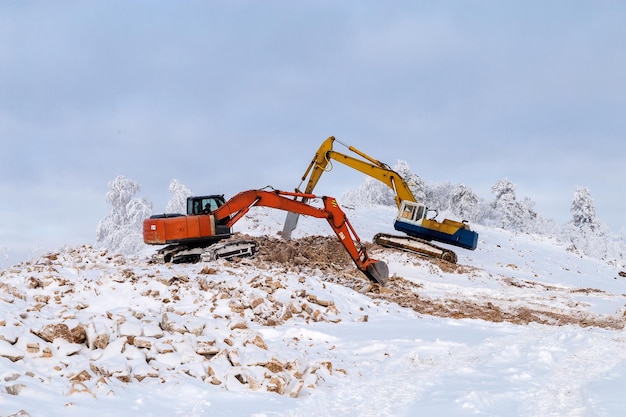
<point>203,234</point>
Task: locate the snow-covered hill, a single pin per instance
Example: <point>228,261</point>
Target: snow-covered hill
<point>519,327</point>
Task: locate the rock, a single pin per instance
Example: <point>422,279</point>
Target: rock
<point>20,413</point>
<point>12,377</point>
<point>97,335</point>
<point>15,389</point>
<point>312,298</point>
<point>239,325</point>
<point>164,348</point>
<point>243,377</point>
<point>144,342</point>
<point>32,348</point>
<point>41,298</point>
<point>35,283</point>
<point>62,331</point>
<point>256,341</point>
<point>233,358</point>
<point>171,322</point>
<point>275,366</point>
<point>142,371</point>
<point>277,384</point>
<point>208,270</point>
<point>116,367</point>
<point>101,341</point>
<point>295,388</point>
<point>82,376</point>
<point>47,352</point>
<point>65,348</point>
<point>195,327</point>
<point>170,360</point>
<point>207,348</point>
<point>256,302</point>
<point>130,328</point>
<point>152,330</point>
<point>10,352</point>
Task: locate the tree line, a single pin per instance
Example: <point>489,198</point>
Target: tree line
<point>121,229</point>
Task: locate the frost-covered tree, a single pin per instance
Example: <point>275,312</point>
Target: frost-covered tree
<point>371,191</point>
<point>415,183</point>
<point>464,203</point>
<point>583,209</point>
<point>178,202</point>
<point>586,234</point>
<point>120,230</point>
<point>512,214</point>
<point>437,196</point>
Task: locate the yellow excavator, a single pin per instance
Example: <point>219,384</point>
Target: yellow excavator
<point>412,218</point>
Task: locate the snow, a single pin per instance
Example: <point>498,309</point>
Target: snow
<point>252,339</point>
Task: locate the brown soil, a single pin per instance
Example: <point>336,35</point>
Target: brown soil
<point>327,254</point>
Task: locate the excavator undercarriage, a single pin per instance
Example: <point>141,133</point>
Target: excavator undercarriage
<point>415,245</point>
<point>225,249</point>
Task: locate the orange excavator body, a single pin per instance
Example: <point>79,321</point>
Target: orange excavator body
<point>202,227</point>
<point>177,229</point>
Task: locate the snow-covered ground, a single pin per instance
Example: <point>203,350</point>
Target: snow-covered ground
<point>520,328</point>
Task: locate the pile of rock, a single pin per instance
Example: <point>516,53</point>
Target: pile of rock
<point>204,323</point>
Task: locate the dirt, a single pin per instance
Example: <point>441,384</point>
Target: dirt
<point>328,255</point>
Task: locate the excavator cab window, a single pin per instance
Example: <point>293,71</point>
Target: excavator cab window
<point>420,213</point>
<point>413,213</point>
<point>204,205</point>
<point>407,212</point>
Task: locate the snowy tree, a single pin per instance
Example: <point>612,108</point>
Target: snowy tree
<point>512,214</point>
<point>415,183</point>
<point>583,209</point>
<point>586,234</point>
<point>121,229</point>
<point>437,196</point>
<point>371,191</point>
<point>178,202</point>
<point>464,203</point>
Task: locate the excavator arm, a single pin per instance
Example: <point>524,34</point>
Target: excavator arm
<point>235,208</point>
<point>368,165</point>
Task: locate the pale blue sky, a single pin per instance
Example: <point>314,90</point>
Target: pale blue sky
<point>231,95</point>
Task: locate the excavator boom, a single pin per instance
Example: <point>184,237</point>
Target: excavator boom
<point>321,163</point>
<point>239,205</point>
<point>370,166</point>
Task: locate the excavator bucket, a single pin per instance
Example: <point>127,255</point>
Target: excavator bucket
<point>378,271</point>
<point>290,224</point>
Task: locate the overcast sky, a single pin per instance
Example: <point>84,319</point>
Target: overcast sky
<point>227,96</point>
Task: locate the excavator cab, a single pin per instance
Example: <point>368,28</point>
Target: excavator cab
<point>412,220</point>
<point>413,212</point>
<point>204,204</point>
